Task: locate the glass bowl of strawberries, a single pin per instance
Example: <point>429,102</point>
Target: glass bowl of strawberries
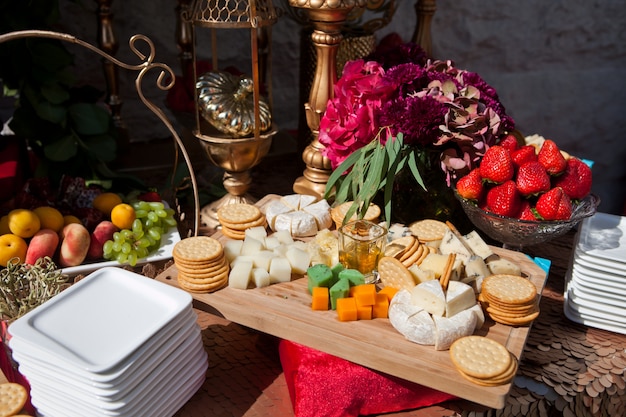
<point>522,195</point>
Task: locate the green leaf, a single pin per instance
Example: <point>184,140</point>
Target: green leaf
<point>62,149</point>
<point>89,119</point>
<point>54,93</point>
<point>101,147</point>
<point>415,171</point>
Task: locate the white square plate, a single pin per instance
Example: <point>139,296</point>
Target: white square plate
<point>604,236</point>
<point>99,321</point>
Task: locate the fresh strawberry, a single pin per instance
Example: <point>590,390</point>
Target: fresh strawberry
<point>576,180</point>
<point>504,199</point>
<point>523,154</point>
<point>471,185</point>
<point>509,142</point>
<point>526,211</point>
<point>554,205</point>
<point>497,165</point>
<point>150,196</point>
<point>532,179</point>
<point>550,156</point>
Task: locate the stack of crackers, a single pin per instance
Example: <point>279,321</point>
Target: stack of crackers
<point>429,231</point>
<point>483,361</point>
<point>338,213</point>
<point>408,250</point>
<point>237,217</point>
<point>510,299</point>
<point>201,263</point>
<point>13,397</point>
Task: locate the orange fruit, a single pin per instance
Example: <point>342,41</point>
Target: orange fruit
<point>106,201</point>
<point>68,218</point>
<point>4,225</point>
<point>50,218</point>
<point>123,215</point>
<point>23,222</point>
<point>12,246</point>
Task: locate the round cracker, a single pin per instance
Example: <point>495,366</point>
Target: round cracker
<point>204,276</point>
<point>428,230</point>
<point>410,250</point>
<point>509,289</point>
<point>338,213</point>
<point>479,356</point>
<point>238,213</point>
<point>504,378</point>
<point>197,249</point>
<point>397,247</point>
<point>243,226</point>
<point>514,321</point>
<point>202,288</point>
<point>13,397</point>
<point>394,274</point>
<point>417,254</point>
<point>233,234</point>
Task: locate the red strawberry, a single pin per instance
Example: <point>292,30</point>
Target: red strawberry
<point>471,185</point>
<point>497,165</point>
<point>532,179</point>
<point>504,199</point>
<point>554,205</point>
<point>576,180</point>
<point>523,154</point>
<point>509,142</point>
<point>551,157</point>
<point>526,211</point>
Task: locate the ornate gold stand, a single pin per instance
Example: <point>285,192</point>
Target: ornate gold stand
<point>425,10</point>
<point>327,18</point>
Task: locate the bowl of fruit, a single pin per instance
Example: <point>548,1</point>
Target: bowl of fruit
<point>528,194</point>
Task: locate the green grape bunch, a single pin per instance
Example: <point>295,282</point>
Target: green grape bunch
<point>152,221</point>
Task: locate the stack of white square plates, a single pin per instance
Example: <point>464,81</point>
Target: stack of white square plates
<point>595,284</point>
<point>113,344</point>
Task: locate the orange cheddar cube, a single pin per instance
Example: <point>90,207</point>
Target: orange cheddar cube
<point>320,298</point>
<point>380,310</point>
<point>363,312</point>
<point>346,309</point>
<point>389,292</point>
<point>365,295</point>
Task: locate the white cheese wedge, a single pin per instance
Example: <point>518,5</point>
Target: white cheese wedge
<point>257,232</point>
<point>303,224</point>
<point>321,212</point>
<point>449,329</point>
<point>306,201</point>
<point>239,276</point>
<point>273,210</point>
<point>292,201</point>
<point>251,246</point>
<point>429,295</point>
<point>435,262</point>
<point>503,266</point>
<point>413,322</point>
<point>452,244</point>
<point>475,271</point>
<point>280,270</point>
<point>421,275</point>
<point>459,297</point>
<point>232,249</point>
<point>260,277</point>
<point>299,259</point>
<point>480,315</point>
<point>478,245</point>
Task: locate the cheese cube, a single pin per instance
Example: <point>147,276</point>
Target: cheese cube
<point>271,242</point>
<point>319,275</point>
<point>284,236</point>
<point>364,295</point>
<point>346,309</point>
<point>503,266</point>
<point>475,271</point>
<point>260,277</point>
<point>339,290</point>
<point>239,276</point>
<point>452,244</point>
<point>257,232</point>
<point>380,309</point>
<point>262,259</point>
<point>251,246</point>
<point>459,297</point>
<point>232,249</point>
<point>435,262</point>
<point>478,245</point>
<point>429,296</point>
<point>320,298</point>
<point>421,275</point>
<point>299,259</point>
<point>363,312</point>
<point>388,292</point>
<point>280,270</point>
<point>354,276</point>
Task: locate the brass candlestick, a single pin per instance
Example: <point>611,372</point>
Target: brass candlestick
<point>327,18</point>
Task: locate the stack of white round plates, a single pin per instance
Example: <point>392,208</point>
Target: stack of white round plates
<point>114,344</point>
<point>595,285</point>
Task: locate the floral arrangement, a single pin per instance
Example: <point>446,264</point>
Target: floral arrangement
<point>394,110</point>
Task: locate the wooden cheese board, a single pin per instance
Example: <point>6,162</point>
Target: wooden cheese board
<point>284,310</point>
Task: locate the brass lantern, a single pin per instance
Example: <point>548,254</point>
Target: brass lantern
<point>232,119</point>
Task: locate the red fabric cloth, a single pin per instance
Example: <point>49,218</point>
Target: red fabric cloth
<point>11,374</point>
<point>324,385</point>
<point>11,161</point>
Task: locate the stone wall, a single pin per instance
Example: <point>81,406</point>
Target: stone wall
<point>557,65</point>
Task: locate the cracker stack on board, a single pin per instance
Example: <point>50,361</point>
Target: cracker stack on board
<point>483,361</point>
<point>202,266</point>
<point>236,218</point>
<point>510,299</point>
